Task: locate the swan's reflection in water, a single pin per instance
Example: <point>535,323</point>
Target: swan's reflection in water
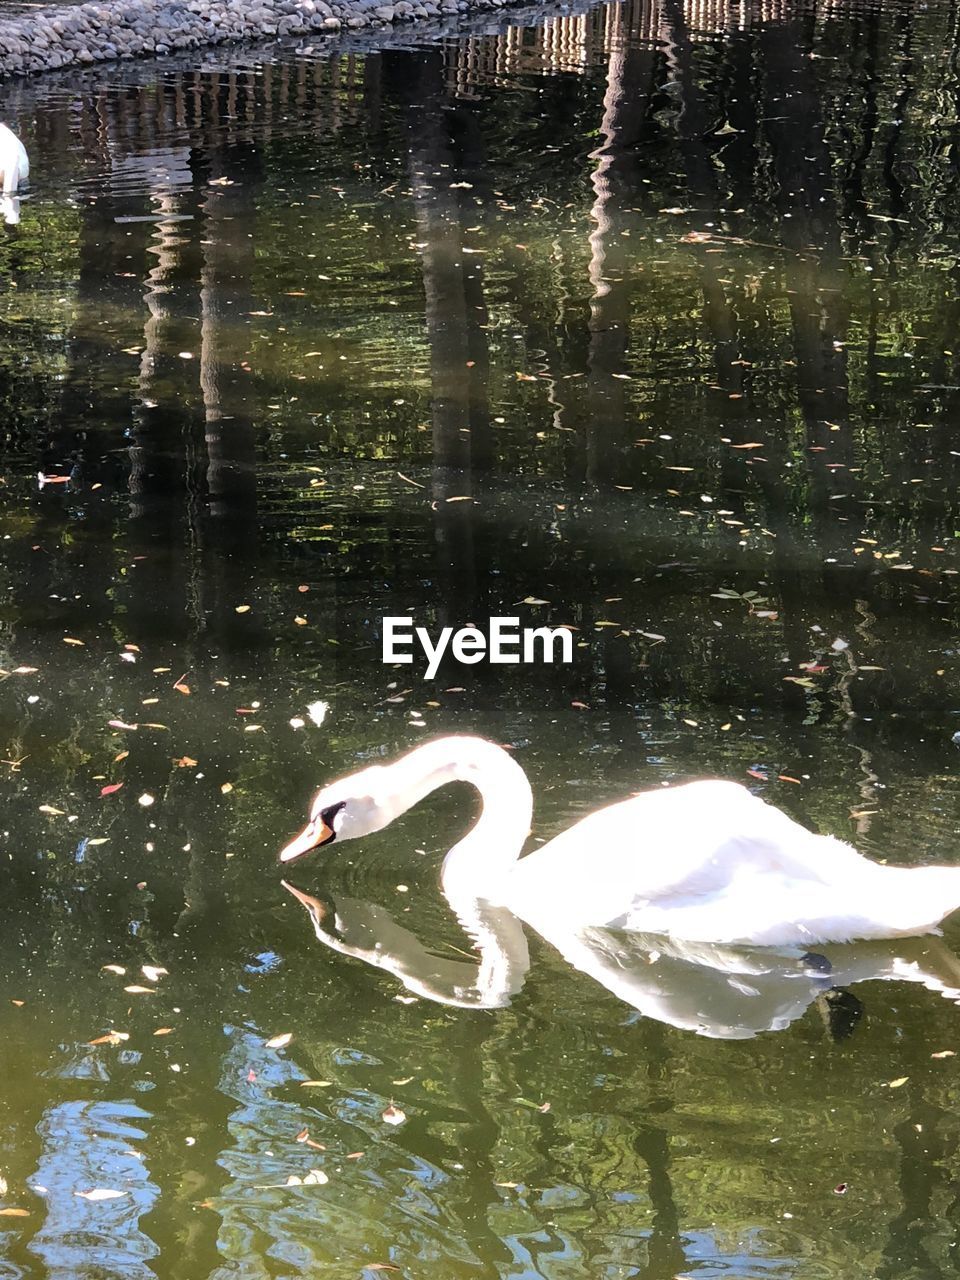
<point>727,993</point>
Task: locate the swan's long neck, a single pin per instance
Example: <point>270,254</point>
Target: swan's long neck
<point>474,865</point>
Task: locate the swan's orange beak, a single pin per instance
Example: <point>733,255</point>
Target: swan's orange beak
<point>314,834</point>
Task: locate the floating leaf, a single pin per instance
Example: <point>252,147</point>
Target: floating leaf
<point>71,640</point>
<point>281,1041</point>
<point>163,1031</point>
<point>100,1193</point>
<point>243,608</point>
<point>944,1053</point>
<point>48,808</point>
<point>153,972</point>
<point>898,1083</point>
<point>393,1115</point>
<point>110,788</point>
<point>14,1213</point>
<point>317,711</point>
<point>139,991</point>
<point>114,968</point>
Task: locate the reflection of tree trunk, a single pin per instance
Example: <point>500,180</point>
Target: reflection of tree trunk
<point>665,1254</point>
<point>225,298</point>
<point>630,72</point>
<point>164,429</point>
<point>458,350</point>
<point>703,190</point>
<point>924,1154</point>
<point>810,231</point>
<point>694,124</point>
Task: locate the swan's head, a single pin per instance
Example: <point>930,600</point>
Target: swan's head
<point>343,810</point>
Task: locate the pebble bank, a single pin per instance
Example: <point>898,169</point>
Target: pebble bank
<point>78,35</point>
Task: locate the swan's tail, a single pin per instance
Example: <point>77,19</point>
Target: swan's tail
<point>923,899</point>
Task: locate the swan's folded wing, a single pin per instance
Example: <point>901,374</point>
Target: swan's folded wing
<point>674,849</point>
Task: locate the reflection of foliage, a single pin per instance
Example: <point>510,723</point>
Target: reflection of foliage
<point>750,418</point>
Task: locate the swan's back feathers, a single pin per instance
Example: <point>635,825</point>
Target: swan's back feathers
<point>710,861</point>
<point>689,839</point>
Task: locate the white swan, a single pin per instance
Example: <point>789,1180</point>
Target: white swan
<point>702,862</point>
<point>14,164</point>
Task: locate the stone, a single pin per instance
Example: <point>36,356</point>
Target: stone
<point>80,34</point>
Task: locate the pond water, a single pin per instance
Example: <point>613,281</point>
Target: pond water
<point>642,320</point>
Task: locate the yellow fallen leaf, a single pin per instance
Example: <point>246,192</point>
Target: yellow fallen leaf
<point>900,1080</point>
<point>279,1042</point>
<point>14,1213</point>
<point>71,640</point>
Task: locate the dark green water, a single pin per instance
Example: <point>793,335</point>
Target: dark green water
<point>674,312</point>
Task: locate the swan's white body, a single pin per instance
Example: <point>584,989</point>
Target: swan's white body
<point>14,164</point>
<point>701,862</point>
